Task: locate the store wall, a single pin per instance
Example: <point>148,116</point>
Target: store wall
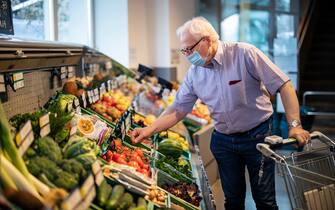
<point>152,33</point>
<point>111,29</point>
<point>179,13</point>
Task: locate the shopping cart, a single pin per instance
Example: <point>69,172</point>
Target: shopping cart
<point>309,175</point>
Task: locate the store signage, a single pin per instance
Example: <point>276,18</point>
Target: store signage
<point>6,18</point>
<point>44,123</point>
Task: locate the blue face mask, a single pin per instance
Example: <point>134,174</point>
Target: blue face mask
<point>196,59</point>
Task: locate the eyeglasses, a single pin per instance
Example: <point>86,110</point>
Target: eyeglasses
<point>189,50</point>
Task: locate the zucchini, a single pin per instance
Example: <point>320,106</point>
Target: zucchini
<point>126,201</point>
<point>141,202</point>
<point>117,193</point>
<point>104,192</point>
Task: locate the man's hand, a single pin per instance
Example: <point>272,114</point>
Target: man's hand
<point>139,134</point>
<point>301,135</point>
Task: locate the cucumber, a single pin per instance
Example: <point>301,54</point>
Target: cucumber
<point>141,202</point>
<point>137,208</point>
<point>103,194</point>
<point>115,197</point>
<point>126,201</point>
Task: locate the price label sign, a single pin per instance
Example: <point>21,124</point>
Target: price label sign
<point>109,85</point>
<point>83,100</point>
<point>72,200</point>
<point>88,183</point>
<point>44,122</point>
<point>115,84</point>
<point>22,134</point>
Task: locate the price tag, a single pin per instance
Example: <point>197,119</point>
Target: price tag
<point>63,76</point>
<point>89,182</point>
<point>73,130</point>
<point>115,84</point>
<point>70,69</point>
<point>43,120</point>
<point>18,84</point>
<point>108,65</point>
<point>96,168</point>
<point>123,130</point>
<point>45,130</point>
<point>99,178</point>
<point>83,100</point>
<point>63,69</point>
<point>73,199</point>
<point>70,75</point>
<point>26,143</point>
<point>90,197</point>
<point>24,131</point>
<point>102,89</point>
<point>96,91</point>
<point>17,77</point>
<point>109,85</point>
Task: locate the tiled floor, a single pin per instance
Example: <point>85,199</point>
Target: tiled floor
<point>281,196</point>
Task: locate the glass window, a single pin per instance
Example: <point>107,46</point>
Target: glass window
<point>74,19</point>
<point>283,5</point>
<point>28,19</point>
<point>285,25</point>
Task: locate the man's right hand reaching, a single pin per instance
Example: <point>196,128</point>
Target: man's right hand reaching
<point>139,134</point>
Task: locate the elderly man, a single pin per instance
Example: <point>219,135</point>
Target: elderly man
<point>235,80</point>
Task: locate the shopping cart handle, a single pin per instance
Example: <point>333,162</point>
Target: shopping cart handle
<point>277,141</point>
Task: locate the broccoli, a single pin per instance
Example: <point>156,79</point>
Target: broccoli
<point>87,159</point>
<point>66,180</point>
<point>74,167</point>
<point>46,146</point>
<point>38,165</point>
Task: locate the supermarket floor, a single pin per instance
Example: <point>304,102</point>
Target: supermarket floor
<point>324,124</point>
<point>282,199</point>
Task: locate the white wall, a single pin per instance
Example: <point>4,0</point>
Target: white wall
<point>111,29</point>
<point>152,32</point>
<point>180,12</point>
<point>138,33</point>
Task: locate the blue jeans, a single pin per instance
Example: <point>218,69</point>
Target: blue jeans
<point>234,152</point>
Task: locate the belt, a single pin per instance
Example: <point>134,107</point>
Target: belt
<point>248,132</point>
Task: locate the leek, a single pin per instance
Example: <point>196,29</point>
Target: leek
<point>8,146</point>
<point>20,181</point>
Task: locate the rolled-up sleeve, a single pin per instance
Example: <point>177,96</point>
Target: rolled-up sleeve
<point>185,97</point>
<point>261,67</point>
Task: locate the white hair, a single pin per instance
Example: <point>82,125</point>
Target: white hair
<point>198,27</point>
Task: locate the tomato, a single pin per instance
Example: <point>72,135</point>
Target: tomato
<point>146,166</point>
<point>139,152</point>
<point>117,144</point>
<point>121,160</point>
<point>104,157</point>
<point>116,156</point>
<point>138,159</point>
<point>133,164</point>
<point>109,154</point>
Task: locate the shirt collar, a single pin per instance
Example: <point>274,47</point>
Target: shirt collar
<point>219,53</point>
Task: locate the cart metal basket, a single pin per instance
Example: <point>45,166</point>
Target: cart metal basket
<point>309,175</point>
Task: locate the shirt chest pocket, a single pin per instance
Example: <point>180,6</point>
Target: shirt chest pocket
<point>236,92</point>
